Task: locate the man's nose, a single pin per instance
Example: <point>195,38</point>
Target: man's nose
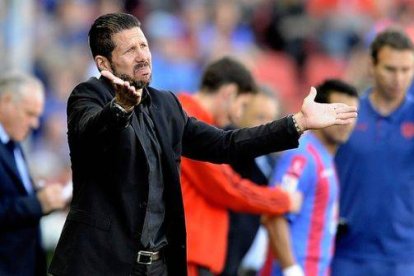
<point>400,77</point>
<point>140,55</point>
<point>34,123</point>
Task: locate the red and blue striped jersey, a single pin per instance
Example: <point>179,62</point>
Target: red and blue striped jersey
<point>310,169</point>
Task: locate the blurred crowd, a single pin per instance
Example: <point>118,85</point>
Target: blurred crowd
<point>288,44</point>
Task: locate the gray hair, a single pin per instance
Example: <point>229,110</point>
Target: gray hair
<point>14,82</point>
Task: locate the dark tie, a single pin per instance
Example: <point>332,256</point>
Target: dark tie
<point>27,182</point>
<point>11,145</point>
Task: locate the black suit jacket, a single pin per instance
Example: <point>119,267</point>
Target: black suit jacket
<point>102,231</point>
<point>20,245</point>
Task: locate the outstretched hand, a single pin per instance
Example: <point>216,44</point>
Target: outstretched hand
<point>125,94</point>
<point>315,115</point>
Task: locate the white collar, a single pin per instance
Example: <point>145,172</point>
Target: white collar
<point>4,137</point>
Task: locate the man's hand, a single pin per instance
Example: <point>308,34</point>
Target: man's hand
<point>125,94</point>
<point>296,199</point>
<point>293,270</point>
<point>315,115</point>
<point>51,198</point>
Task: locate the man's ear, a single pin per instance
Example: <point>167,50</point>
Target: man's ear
<point>371,68</point>
<point>6,99</point>
<point>103,63</point>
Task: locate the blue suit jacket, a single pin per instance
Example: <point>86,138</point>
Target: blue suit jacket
<point>20,247</point>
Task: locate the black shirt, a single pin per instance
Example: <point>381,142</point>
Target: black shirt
<point>153,232</point>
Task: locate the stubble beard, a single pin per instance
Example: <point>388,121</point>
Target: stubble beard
<point>138,84</point>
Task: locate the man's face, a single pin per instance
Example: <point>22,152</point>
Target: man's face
<point>131,58</point>
<point>259,110</point>
<point>393,72</point>
<point>339,134</point>
<point>238,107</point>
<point>20,116</point>
<point>229,105</point>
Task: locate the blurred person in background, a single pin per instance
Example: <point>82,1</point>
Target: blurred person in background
<point>49,162</point>
<point>211,190</point>
<point>302,243</point>
<point>22,204</point>
<point>261,108</point>
<point>169,49</point>
<point>376,169</point>
<point>126,140</point>
<point>226,33</point>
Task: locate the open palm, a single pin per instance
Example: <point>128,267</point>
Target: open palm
<point>319,115</point>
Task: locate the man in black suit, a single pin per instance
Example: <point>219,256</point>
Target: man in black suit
<point>21,204</point>
<point>126,140</point>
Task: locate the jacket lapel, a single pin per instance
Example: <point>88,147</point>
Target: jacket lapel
<point>159,119</point>
<point>10,164</point>
<point>136,128</point>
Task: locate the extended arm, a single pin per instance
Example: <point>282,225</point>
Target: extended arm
<point>208,144</point>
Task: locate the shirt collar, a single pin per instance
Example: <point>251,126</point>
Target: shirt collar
<point>146,98</point>
<point>4,137</point>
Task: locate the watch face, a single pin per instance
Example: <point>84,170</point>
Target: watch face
<point>118,111</point>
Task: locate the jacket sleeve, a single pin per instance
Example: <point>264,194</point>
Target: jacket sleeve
<point>19,211</point>
<point>90,117</point>
<point>223,187</point>
<point>207,143</point>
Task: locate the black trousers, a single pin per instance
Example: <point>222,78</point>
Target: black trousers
<point>157,268</point>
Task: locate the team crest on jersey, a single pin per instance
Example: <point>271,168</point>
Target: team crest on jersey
<point>407,130</point>
<point>291,178</point>
<point>297,165</point>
